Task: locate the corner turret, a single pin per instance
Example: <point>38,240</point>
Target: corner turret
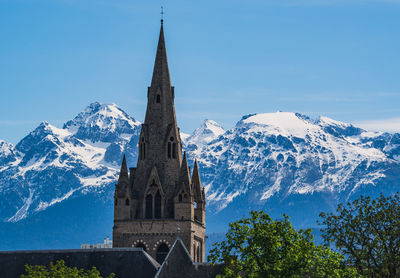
<point>199,196</point>
<point>122,195</point>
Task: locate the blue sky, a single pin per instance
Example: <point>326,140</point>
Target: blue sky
<point>227,59</point>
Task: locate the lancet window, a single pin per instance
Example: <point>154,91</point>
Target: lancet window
<point>142,149</point>
<point>171,148</point>
<point>149,206</point>
<point>157,205</point>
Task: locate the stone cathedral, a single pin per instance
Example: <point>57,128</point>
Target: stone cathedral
<point>160,196</point>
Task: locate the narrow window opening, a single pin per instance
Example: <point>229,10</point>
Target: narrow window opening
<point>173,150</point>
<point>158,99</point>
<point>158,205</point>
<point>180,197</point>
<point>116,201</point>
<point>198,254</point>
<point>149,206</point>
<point>142,150</point>
<point>169,149</point>
<point>127,202</point>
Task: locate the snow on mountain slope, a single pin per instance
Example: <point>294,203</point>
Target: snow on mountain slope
<point>5,148</point>
<point>287,153</point>
<point>273,160</point>
<point>184,137</point>
<point>52,164</point>
<point>207,132</point>
<point>6,152</point>
<point>102,122</point>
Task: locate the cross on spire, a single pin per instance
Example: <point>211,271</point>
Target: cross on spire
<point>162,14</point>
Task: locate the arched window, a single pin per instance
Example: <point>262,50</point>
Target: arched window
<point>158,99</point>
<point>141,245</point>
<point>162,252</point>
<point>174,150</point>
<point>180,197</point>
<point>127,202</point>
<point>194,252</point>
<point>142,150</point>
<point>116,201</point>
<point>198,254</point>
<point>171,144</point>
<point>157,205</point>
<point>149,206</point>
<point>195,205</point>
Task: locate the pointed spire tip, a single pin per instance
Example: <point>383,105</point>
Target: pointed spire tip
<point>162,15</point>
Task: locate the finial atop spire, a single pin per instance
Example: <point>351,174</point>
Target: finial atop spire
<point>162,15</point>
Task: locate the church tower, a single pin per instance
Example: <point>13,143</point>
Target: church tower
<point>160,195</point>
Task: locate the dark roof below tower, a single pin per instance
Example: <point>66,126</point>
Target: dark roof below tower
<point>123,262</point>
<point>178,263</point>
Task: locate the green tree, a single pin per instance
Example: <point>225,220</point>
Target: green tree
<point>261,247</point>
<point>60,270</point>
<point>367,232</point>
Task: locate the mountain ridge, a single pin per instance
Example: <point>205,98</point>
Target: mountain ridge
<point>279,162</point>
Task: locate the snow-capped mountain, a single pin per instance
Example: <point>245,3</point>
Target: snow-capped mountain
<point>51,164</point>
<point>288,154</point>
<point>104,123</point>
<point>6,152</point>
<point>203,135</point>
<point>282,162</point>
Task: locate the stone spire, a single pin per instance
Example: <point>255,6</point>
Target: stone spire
<point>160,190</point>
<point>122,187</point>
<point>184,180</point>
<point>160,112</point>
<point>196,182</point>
<point>159,144</point>
<point>161,70</point>
<point>123,174</point>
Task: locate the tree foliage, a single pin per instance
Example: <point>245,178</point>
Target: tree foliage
<point>261,247</point>
<point>60,270</point>
<point>367,232</point>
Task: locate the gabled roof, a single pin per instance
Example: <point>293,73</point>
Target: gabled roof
<point>178,263</point>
